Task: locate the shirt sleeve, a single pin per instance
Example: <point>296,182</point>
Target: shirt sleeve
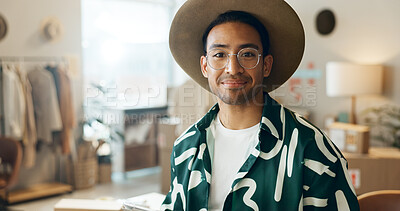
<point>327,184</point>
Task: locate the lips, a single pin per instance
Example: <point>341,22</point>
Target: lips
<point>233,83</point>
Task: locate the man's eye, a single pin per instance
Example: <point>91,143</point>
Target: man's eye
<point>219,55</point>
<point>247,54</point>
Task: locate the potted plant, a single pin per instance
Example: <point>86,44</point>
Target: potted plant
<point>384,122</point>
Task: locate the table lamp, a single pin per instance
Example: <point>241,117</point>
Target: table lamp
<point>347,79</point>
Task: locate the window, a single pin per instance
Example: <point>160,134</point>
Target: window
<point>126,60</point>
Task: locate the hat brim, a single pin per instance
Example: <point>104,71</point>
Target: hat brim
<point>284,27</point>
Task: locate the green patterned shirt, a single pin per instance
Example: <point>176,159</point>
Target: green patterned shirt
<point>294,167</point>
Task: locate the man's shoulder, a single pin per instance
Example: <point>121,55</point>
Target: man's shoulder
<point>313,139</point>
<point>304,127</point>
<point>187,139</point>
<point>282,121</point>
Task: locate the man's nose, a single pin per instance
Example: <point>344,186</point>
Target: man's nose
<point>233,67</point>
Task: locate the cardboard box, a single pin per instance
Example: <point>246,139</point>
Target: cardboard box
<point>165,141</point>
<point>350,137</point>
<point>378,170</point>
<point>166,136</point>
<point>165,170</point>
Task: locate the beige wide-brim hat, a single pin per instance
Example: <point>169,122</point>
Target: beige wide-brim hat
<point>284,26</point>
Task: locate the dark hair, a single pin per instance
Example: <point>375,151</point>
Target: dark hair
<point>241,17</point>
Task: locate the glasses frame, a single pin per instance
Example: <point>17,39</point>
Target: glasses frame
<point>237,57</point>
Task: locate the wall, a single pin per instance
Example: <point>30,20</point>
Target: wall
<point>24,19</point>
<point>367,33</point>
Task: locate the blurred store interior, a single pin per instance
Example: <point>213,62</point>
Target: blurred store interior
<point>119,100</point>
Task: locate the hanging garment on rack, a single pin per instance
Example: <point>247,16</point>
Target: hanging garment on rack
<point>64,93</point>
<point>47,110</point>
<point>14,103</point>
<point>29,138</point>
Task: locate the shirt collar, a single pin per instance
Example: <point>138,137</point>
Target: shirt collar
<point>205,122</point>
<point>272,117</point>
<point>270,121</point>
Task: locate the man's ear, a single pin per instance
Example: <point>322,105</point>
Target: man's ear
<point>203,64</point>
<point>268,60</point>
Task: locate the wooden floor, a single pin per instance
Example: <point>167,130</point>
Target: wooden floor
<point>123,186</point>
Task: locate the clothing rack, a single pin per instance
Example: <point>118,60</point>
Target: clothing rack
<point>37,190</point>
<point>57,59</point>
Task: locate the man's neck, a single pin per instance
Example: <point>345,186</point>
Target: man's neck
<point>242,116</point>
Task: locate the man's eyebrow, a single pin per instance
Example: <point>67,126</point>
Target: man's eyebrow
<point>217,45</point>
<point>249,45</point>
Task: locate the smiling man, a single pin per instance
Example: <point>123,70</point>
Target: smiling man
<point>249,152</point>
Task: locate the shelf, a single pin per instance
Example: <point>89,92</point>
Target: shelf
<point>37,191</point>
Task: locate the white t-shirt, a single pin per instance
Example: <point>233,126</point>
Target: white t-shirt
<point>230,151</point>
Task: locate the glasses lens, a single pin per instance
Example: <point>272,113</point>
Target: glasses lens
<point>248,58</point>
<point>217,58</point>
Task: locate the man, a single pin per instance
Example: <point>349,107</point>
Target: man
<point>249,152</point>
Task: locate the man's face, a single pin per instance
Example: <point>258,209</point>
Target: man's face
<point>233,84</point>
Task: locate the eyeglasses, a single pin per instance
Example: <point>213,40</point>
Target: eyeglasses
<point>248,58</point>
